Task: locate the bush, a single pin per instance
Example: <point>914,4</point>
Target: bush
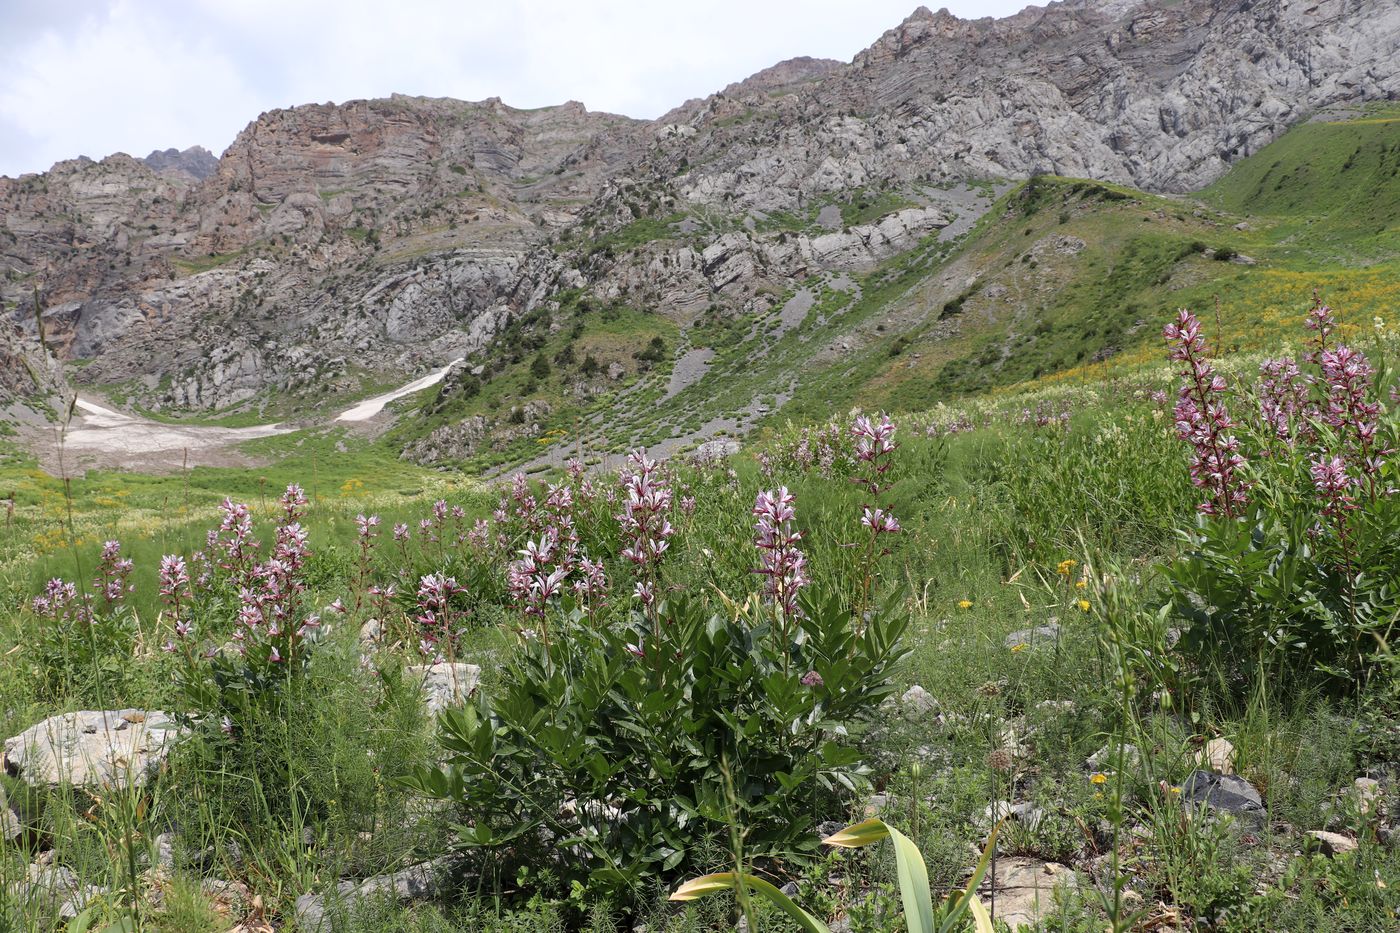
<point>1292,563</point>
<point>636,759</point>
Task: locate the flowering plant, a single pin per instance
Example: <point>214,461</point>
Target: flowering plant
<point>1291,563</point>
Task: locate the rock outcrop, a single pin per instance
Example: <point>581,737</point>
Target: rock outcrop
<point>332,241</point>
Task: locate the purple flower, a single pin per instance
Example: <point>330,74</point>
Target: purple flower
<point>780,561</point>
<point>812,679</point>
<point>1203,421</point>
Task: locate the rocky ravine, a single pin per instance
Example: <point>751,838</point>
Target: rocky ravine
<point>333,241</point>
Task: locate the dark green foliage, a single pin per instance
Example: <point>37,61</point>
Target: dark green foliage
<point>641,760</point>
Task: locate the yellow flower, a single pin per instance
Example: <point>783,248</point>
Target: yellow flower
<point>1176,790</point>
<point>1020,647</point>
<point>1098,777</point>
<point>1065,567</point>
<point>965,604</point>
<point>1080,585</point>
<point>1084,605</point>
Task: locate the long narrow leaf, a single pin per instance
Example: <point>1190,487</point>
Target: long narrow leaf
<point>913,883</point>
<point>728,881</point>
<point>861,834</point>
<point>980,918</point>
<point>969,894</point>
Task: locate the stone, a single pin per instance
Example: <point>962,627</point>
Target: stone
<point>1106,758</point>
<point>1029,637</point>
<point>445,683</point>
<point>1218,755</point>
<point>102,748</point>
<point>1332,844</point>
<point>1224,793</point>
<point>315,913</point>
<point>917,701</point>
<point>1367,794</point>
<point>1021,890</point>
<point>55,888</point>
<point>372,632</point>
<point>1023,812</point>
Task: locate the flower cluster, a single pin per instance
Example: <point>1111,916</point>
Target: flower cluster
<point>435,619</point>
<point>1347,377</point>
<point>113,572</point>
<point>1283,399</point>
<point>875,449</point>
<point>645,521</point>
<point>1203,421</point>
<point>781,562</point>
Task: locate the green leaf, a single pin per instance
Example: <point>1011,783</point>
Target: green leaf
<point>728,881</point>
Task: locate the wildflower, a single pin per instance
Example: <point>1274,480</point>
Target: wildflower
<point>875,447</point>
<point>1065,567</point>
<point>1083,605</point>
<point>879,521</point>
<point>226,726</point>
<point>112,573</point>
<point>776,539</point>
<point>1203,421</point>
<point>293,503</point>
<point>1098,777</point>
<point>812,679</point>
<point>645,520</point>
<point>1348,376</point>
<point>174,576</point>
<point>964,604</point>
<point>366,525</point>
<point>1019,647</point>
<point>401,532</point>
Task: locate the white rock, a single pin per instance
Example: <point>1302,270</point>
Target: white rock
<point>100,748</point>
<point>445,684</point>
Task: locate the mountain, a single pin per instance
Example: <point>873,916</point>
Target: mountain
<point>195,162</point>
<point>599,272</point>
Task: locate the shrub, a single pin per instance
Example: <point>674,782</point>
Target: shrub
<point>637,745</point>
<point>1292,562</point>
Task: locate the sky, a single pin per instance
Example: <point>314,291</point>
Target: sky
<point>93,77</point>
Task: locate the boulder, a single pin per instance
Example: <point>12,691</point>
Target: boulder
<point>1332,844</point>
<point>1033,636</point>
<point>1223,793</point>
<point>1021,890</point>
<point>445,684</point>
<point>93,748</point>
<point>1218,755</point>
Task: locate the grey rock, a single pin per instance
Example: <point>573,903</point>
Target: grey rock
<point>1041,634</point>
<point>1332,844</point>
<point>1106,758</point>
<point>1223,793</point>
<point>103,748</point>
<point>316,912</point>
<point>917,701</point>
<point>9,823</point>
<point>1023,889</point>
<point>1023,812</point>
<point>445,683</point>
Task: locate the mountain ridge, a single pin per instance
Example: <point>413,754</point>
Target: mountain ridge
<point>334,242</point>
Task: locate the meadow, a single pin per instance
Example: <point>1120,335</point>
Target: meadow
<point>1040,630</point>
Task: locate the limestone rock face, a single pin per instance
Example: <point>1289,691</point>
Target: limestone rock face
<point>103,748</point>
<point>334,241</point>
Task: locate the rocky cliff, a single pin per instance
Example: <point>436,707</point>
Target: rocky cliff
<point>331,243</point>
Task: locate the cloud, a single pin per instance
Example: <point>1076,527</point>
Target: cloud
<point>93,77</point>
